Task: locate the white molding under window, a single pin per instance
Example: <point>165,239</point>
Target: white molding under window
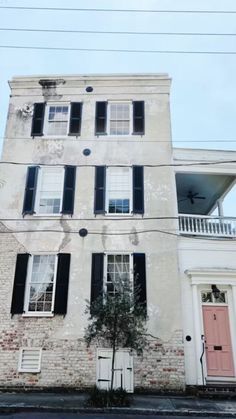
<point>30,360</point>
<point>41,172</point>
<point>119,102</point>
<point>47,123</point>
<point>38,313</point>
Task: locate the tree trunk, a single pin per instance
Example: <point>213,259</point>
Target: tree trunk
<point>113,364</point>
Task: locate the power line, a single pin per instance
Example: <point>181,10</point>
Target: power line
<point>117,32</point>
<point>201,163</point>
<point>66,9</point>
<point>143,51</point>
<point>124,140</point>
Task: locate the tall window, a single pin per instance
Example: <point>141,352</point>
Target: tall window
<point>41,284</point>
<point>119,188</point>
<point>118,272</point>
<point>119,118</point>
<point>58,117</point>
<point>49,192</point>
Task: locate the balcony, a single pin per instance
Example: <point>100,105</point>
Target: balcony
<point>201,225</point>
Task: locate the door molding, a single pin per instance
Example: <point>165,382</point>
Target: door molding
<point>200,279</point>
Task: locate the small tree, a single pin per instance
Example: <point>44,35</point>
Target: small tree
<point>119,319</point>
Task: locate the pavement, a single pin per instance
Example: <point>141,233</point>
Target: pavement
<point>141,404</point>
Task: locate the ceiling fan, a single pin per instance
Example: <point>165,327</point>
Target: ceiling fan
<point>192,196</point>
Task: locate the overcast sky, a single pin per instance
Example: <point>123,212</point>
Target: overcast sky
<point>203,92</point>
<point>203,86</point>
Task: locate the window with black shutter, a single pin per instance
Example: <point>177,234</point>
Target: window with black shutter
<point>100,186</point>
<point>138,190</point>
<point>97,276</point>
<point>75,118</point>
<point>69,190</point>
<point>17,304</point>
<point>30,190</point>
<point>38,119</point>
<point>101,118</point>
<point>138,117</point>
<point>140,277</point>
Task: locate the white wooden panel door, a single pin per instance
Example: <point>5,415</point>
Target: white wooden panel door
<point>123,376</point>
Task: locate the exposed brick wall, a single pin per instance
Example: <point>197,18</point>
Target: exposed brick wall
<point>67,362</point>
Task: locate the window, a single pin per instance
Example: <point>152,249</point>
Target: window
<point>117,271</point>
<point>58,120</point>
<point>49,190</point>
<point>41,284</point>
<point>30,360</point>
<point>40,287</point>
<point>119,190</point>
<point>119,184</point>
<point>108,269</point>
<point>119,118</point>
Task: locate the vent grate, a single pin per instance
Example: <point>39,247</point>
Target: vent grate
<point>30,360</point>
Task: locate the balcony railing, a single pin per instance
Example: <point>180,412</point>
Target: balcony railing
<point>207,226</point>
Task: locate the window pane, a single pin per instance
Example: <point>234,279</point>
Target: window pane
<point>119,190</point>
<point>119,118</point>
<point>118,272</point>
<point>50,190</point>
<point>58,120</point>
<point>41,283</point>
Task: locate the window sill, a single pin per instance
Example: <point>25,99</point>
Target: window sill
<point>37,315</point>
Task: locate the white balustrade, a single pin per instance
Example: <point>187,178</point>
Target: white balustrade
<point>207,226</point>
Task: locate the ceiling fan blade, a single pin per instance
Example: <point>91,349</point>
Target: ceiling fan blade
<point>200,197</point>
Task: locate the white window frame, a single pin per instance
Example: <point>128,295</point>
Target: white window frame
<point>111,102</point>
<point>131,267</point>
<point>38,188</point>
<point>20,369</point>
<point>47,123</point>
<point>26,312</point>
<point>113,214</point>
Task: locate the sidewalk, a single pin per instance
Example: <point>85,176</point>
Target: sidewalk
<point>74,402</point>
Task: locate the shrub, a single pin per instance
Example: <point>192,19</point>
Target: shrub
<point>108,398</point>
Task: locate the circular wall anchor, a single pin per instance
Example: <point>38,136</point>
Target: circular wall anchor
<point>83,232</point>
<point>188,338</point>
<point>86,152</point>
<point>89,89</point>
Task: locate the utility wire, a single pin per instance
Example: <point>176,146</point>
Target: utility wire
<point>66,9</point>
<point>201,163</point>
<point>124,140</point>
<point>131,51</point>
<point>117,32</point>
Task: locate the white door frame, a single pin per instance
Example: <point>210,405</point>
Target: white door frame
<point>225,280</point>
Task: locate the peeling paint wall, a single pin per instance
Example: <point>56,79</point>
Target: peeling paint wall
<point>63,337</point>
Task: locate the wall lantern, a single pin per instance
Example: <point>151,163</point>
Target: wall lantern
<point>215,291</point>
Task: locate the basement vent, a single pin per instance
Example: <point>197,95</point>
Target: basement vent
<point>30,360</point>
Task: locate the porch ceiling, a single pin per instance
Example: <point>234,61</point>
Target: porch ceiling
<point>212,187</point>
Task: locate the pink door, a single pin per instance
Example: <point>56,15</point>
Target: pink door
<point>219,356</point>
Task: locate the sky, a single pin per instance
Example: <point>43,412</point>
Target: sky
<point>203,111</point>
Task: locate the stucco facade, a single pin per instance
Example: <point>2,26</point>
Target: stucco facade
<point>65,360</point>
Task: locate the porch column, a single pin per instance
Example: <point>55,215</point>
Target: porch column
<point>220,207</point>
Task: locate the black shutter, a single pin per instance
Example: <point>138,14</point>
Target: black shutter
<point>138,190</point>
<point>100,186</point>
<point>138,118</point>
<point>62,281</point>
<point>140,277</point>
<point>17,304</point>
<point>30,190</point>
<point>75,118</point>
<point>69,190</point>
<point>38,120</point>
<point>97,276</point>
<point>101,118</point>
